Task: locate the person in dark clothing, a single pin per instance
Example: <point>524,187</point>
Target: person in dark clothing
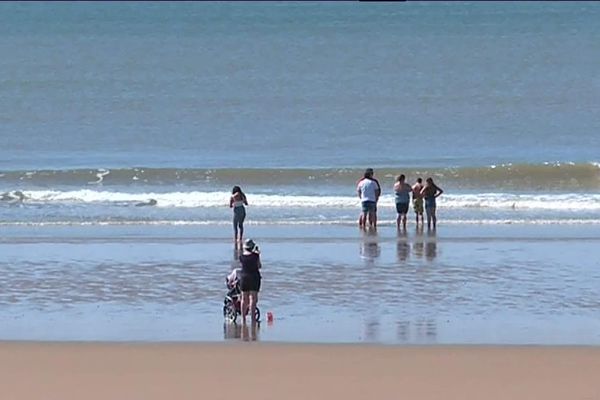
<point>250,278</point>
<point>237,201</point>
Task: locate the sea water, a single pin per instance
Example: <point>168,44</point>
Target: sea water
<point>106,106</point>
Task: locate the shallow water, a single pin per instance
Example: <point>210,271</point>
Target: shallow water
<point>477,285</point>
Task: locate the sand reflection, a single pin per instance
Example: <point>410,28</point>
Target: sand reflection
<point>372,330</point>
<point>237,252</point>
<point>250,332</point>
<point>422,330</point>
<point>232,331</point>
<point>369,247</point>
<point>431,246</point>
<point>247,332</point>
<point>418,245</point>
<point>402,247</point>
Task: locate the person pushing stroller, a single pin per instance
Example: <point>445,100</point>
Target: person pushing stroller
<point>244,282</point>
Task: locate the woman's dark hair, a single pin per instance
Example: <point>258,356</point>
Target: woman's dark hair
<point>236,189</point>
<point>400,177</point>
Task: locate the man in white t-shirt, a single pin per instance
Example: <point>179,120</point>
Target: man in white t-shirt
<point>368,190</point>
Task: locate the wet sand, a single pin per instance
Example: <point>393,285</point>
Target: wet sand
<point>465,285</point>
<point>34,370</point>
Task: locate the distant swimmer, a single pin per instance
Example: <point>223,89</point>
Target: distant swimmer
<point>150,202</point>
<point>14,196</point>
<point>431,192</point>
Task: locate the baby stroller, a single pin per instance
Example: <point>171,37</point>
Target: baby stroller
<point>232,301</point>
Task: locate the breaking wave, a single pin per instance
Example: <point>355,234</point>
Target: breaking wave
<point>198,199</point>
<point>546,176</point>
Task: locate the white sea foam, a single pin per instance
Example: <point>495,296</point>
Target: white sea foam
<point>100,175</point>
<point>494,201</point>
<point>574,221</point>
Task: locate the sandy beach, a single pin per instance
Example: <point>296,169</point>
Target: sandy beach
<point>35,370</point>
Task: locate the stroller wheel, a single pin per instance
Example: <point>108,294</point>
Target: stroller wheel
<point>229,313</point>
<point>257,314</point>
<point>226,306</point>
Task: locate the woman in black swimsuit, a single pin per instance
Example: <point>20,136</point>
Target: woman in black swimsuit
<point>250,279</point>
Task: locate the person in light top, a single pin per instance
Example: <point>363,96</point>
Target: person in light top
<point>368,190</point>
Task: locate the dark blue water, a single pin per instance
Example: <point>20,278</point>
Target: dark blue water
<point>297,84</point>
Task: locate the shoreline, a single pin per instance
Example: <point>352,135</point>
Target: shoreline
<point>284,344</point>
<point>295,371</point>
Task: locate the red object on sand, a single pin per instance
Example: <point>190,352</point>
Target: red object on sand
<point>269,316</point>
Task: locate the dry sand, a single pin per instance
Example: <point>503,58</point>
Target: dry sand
<point>280,371</point>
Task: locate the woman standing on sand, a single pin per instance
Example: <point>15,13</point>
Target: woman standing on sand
<point>237,201</point>
<point>430,192</point>
<point>250,279</point>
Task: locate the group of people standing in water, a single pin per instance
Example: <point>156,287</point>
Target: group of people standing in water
<point>369,191</point>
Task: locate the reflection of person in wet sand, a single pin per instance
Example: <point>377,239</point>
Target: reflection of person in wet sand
<point>237,331</point>
<point>402,247</point>
<point>370,249</point>
<point>426,330</point>
<point>237,252</point>
<point>372,330</point>
<point>249,334</point>
<point>418,245</point>
<point>431,246</point>
<point>232,331</point>
<point>403,330</point>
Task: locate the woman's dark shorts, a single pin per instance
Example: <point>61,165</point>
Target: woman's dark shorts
<point>401,208</point>
<point>249,283</point>
<point>239,215</point>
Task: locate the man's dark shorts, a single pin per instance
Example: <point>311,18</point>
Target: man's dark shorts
<point>369,206</point>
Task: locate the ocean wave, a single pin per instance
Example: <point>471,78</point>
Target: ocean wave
<point>197,199</point>
<point>544,176</point>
